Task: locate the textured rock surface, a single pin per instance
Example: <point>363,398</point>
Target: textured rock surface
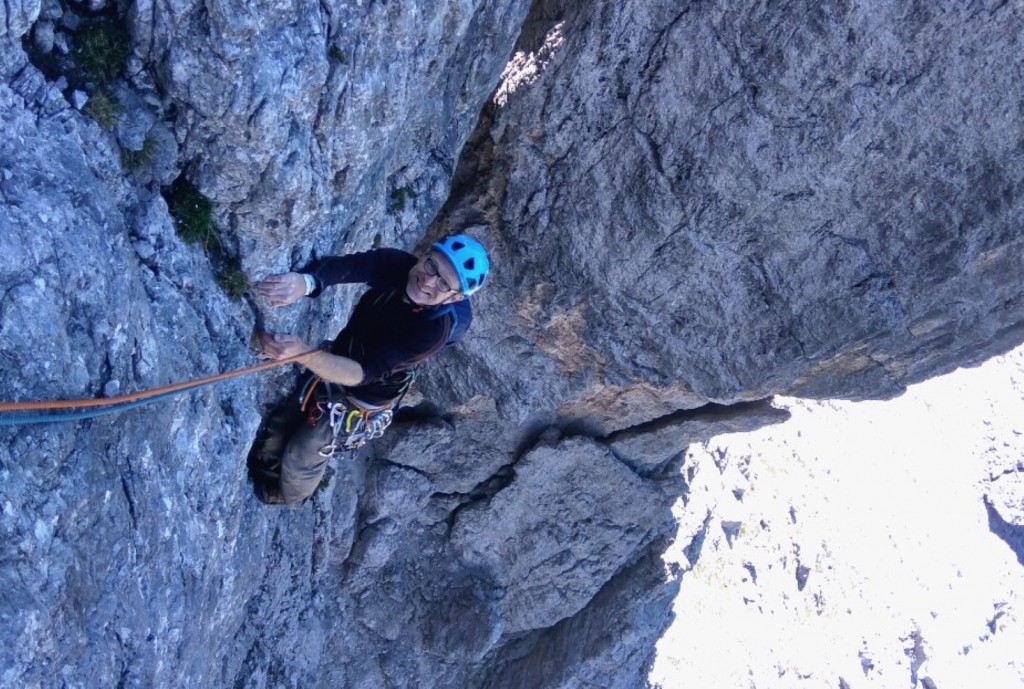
<point>578,540</point>
<point>686,204</point>
<point>95,513</point>
<point>817,199</point>
<point>344,110</point>
<point>16,17</point>
<point>652,446</point>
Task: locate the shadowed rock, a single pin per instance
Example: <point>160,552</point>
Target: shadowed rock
<point>596,516</point>
<point>686,204</point>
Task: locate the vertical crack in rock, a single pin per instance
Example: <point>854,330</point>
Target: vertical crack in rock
<point>129,499</point>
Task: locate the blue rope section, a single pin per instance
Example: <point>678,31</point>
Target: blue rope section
<point>24,419</point>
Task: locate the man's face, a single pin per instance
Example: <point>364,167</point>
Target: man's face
<point>433,281</point>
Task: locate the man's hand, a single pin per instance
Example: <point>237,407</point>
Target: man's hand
<point>281,346</point>
<point>281,290</point>
<point>330,367</point>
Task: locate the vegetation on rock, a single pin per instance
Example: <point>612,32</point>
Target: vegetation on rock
<point>101,48</point>
<point>193,221</point>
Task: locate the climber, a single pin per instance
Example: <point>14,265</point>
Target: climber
<point>413,308</point>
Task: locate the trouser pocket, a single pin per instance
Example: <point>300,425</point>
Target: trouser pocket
<point>305,460</point>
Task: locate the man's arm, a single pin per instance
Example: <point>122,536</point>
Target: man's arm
<point>330,367</point>
<point>371,267</point>
<point>334,368</point>
<point>377,267</point>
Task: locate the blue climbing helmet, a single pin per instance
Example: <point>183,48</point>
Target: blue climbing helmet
<point>469,258</point>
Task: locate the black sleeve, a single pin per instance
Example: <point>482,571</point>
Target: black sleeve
<point>378,268</point>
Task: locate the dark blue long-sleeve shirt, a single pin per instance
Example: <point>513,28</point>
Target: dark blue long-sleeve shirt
<point>386,333</point>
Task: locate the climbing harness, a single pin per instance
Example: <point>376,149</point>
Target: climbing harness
<point>352,425</point>
<point>353,422</point>
<point>89,408</point>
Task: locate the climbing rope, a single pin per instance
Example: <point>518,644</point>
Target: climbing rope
<point>89,408</point>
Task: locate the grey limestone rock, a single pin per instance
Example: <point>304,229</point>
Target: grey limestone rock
<point>91,508</point>
<point>687,205</point>
<point>42,36</point>
<point>160,160</point>
<point>51,9</point>
<point>60,43</point>
<point>338,109</point>
<point>652,446</point>
<point>459,453</point>
<point>71,20</point>
<point>17,17</point>
<point>134,121</point>
<point>596,517</point>
<point>725,203</point>
<point>587,649</point>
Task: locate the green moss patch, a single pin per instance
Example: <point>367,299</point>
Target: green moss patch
<point>193,221</point>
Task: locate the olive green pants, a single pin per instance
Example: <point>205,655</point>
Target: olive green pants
<point>305,460</point>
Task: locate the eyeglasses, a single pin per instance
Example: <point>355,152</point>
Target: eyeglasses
<point>431,267</point>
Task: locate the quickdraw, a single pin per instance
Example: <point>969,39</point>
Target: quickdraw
<point>353,425</point>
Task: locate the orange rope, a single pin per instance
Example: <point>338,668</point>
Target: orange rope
<point>121,399</point>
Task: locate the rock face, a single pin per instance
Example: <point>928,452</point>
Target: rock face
<point>341,113</point>
<point>577,540</point>
<point>691,209</point>
<point>816,199</point>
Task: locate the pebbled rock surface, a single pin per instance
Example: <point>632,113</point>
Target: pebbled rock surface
<point>687,204</point>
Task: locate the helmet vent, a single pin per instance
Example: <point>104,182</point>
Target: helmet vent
<point>469,259</point>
